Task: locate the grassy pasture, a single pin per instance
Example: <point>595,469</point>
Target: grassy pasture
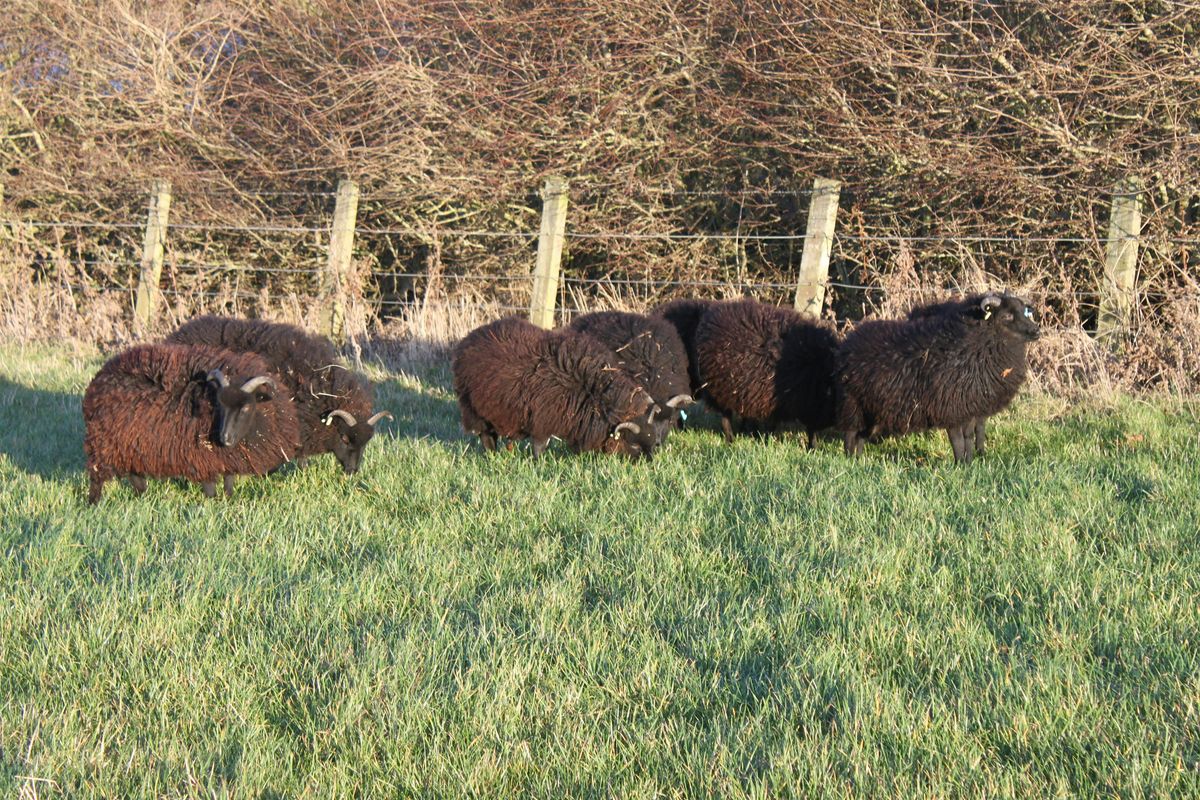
<point>733,621</point>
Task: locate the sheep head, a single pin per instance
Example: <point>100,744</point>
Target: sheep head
<point>235,406</point>
<point>352,436</point>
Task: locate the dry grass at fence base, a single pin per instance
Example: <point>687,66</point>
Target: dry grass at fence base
<point>1163,354</point>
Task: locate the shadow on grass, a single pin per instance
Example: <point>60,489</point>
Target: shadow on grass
<point>41,432</point>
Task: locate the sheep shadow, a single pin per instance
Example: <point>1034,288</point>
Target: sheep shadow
<point>41,431</point>
<point>418,389</point>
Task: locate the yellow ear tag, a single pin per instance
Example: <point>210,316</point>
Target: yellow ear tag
<point>987,314</point>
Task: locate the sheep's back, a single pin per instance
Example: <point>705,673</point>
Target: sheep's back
<point>647,348</point>
<point>685,315</point>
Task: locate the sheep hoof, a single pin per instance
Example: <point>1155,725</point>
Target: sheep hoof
<point>229,482</point>
<point>210,489</point>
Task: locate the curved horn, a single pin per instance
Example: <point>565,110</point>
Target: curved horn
<point>346,416</point>
<point>653,411</point>
<point>252,384</point>
<point>632,427</point>
<point>219,377</point>
<point>990,303</point>
<point>680,400</point>
<point>376,417</point>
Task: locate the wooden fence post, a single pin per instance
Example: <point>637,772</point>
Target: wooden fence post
<point>146,301</point>
<point>1119,284</point>
<point>549,255</point>
<point>818,242</point>
<point>341,245</point>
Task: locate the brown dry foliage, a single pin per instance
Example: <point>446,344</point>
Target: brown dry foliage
<point>947,120</point>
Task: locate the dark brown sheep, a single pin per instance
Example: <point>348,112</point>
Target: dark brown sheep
<point>766,364</point>
<point>976,426</point>
<point>684,314</point>
<point>650,352</point>
<point>161,411</point>
<point>517,381</point>
<point>961,363</point>
<point>333,402</point>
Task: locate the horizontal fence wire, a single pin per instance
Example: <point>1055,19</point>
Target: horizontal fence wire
<point>619,235</point>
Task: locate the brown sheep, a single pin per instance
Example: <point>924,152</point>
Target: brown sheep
<point>180,411</point>
<point>517,381</point>
<point>766,364</point>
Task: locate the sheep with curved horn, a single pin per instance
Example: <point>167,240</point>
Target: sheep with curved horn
<point>319,384</point>
<point>517,381</point>
<point>651,353</point>
<point>169,411</point>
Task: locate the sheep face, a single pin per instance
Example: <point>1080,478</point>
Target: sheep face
<point>1009,315</point>
<point>234,407</point>
<point>352,437</point>
<point>636,438</point>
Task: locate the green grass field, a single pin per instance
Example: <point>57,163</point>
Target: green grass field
<point>727,621</point>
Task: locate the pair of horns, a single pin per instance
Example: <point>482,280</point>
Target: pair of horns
<point>632,427</point>
<point>247,387</point>
<point>349,419</point>
<point>677,401</point>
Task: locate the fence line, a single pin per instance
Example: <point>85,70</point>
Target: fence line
<point>1117,293</point>
<point>617,235</point>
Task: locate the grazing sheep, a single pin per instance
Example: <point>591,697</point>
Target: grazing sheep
<point>766,364</point>
<point>949,369</point>
<point>333,402</point>
<point>185,411</point>
<point>517,381</point>
<point>685,315</point>
<point>650,352</point>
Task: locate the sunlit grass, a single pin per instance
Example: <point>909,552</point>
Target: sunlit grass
<point>748,620</point>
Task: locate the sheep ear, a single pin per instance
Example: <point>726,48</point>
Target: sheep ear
<point>989,304</point>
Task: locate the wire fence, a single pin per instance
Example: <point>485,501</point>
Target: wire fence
<point>385,291</point>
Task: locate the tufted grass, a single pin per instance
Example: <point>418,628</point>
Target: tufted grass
<point>745,621</point>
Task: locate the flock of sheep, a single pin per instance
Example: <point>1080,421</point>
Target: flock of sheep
<point>617,382</point>
<point>223,397</point>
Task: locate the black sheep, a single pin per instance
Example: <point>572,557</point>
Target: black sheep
<point>956,304</point>
<point>517,381</point>
<point>684,315</point>
<point>766,364</point>
<point>185,411</point>
<point>650,352</point>
<point>962,363</point>
<point>333,402</point>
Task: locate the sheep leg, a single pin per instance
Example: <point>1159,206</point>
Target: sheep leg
<point>812,438</point>
<point>95,487</point>
<point>210,488</point>
<point>138,482</point>
<point>229,481</point>
<point>960,444</point>
<point>727,427</point>
<point>302,462</point>
<point>853,443</point>
<point>980,434</point>
<point>539,446</point>
<point>488,440</point>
